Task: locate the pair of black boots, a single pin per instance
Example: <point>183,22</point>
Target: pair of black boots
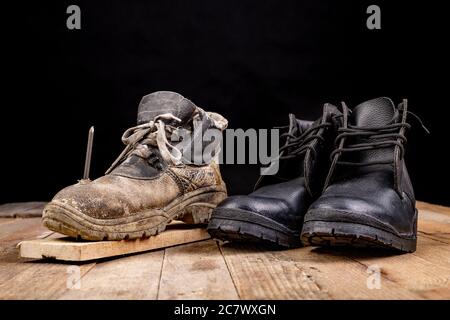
<point>341,181</point>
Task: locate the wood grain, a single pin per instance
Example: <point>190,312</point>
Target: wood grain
<point>435,230</point>
<point>41,280</point>
<point>421,205</point>
<point>6,220</point>
<point>433,216</point>
<point>22,278</point>
<point>195,271</point>
<point>262,274</point>
<point>131,277</point>
<point>437,294</point>
<point>203,270</point>
<point>415,272</point>
<point>67,249</point>
<point>22,209</point>
<point>21,229</point>
<point>304,273</point>
<point>10,234</point>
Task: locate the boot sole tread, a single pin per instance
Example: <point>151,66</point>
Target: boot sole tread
<point>194,209</point>
<point>343,234</point>
<point>246,226</point>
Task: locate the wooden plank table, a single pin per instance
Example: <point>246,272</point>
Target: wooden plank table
<point>211,270</point>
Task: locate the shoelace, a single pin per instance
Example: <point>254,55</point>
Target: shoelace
<point>388,135</point>
<point>389,132</point>
<point>300,143</point>
<point>153,133</point>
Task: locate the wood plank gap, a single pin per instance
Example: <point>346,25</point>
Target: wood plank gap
<point>196,271</point>
<point>229,271</point>
<point>128,277</point>
<point>431,237</point>
<point>160,273</point>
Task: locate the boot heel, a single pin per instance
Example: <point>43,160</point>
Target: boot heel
<point>197,213</point>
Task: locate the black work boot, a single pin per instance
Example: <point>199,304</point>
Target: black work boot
<point>274,212</point>
<point>368,199</point>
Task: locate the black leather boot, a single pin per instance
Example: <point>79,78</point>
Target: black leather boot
<point>274,212</point>
<point>368,199</point>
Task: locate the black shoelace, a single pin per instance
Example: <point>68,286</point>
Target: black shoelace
<point>390,135</point>
<point>295,146</point>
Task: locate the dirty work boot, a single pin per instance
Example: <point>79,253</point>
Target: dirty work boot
<point>274,212</point>
<point>151,183</point>
<point>368,199</point>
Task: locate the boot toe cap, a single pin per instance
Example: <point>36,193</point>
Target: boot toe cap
<point>395,217</point>
<point>89,199</point>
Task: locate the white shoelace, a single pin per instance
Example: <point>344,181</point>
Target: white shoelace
<point>153,133</point>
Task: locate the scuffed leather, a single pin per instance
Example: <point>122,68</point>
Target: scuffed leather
<point>113,196</point>
<point>283,202</point>
<point>141,184</point>
<point>138,168</point>
<point>161,102</point>
<point>366,196</point>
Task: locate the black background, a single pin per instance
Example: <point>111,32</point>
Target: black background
<point>252,61</point>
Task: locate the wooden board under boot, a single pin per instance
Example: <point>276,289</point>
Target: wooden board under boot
<point>68,249</point>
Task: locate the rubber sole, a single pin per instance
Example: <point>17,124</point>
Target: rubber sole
<point>194,208</point>
<point>245,226</point>
<point>337,234</point>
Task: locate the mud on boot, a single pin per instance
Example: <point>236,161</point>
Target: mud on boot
<point>151,183</point>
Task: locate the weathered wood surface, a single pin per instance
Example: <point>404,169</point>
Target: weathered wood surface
<point>130,277</point>
<point>209,270</point>
<point>195,271</point>
<point>22,209</point>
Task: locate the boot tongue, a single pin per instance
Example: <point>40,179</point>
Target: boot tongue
<point>293,126</point>
<point>161,102</point>
<point>373,113</point>
<point>298,126</point>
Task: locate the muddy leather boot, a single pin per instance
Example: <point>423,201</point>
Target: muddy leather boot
<point>273,213</point>
<point>151,183</point>
<point>368,199</point>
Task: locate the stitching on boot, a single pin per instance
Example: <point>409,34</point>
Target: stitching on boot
<point>180,183</point>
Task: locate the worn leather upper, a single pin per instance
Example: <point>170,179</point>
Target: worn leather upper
<point>114,196</point>
<point>160,102</point>
<point>144,180</point>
